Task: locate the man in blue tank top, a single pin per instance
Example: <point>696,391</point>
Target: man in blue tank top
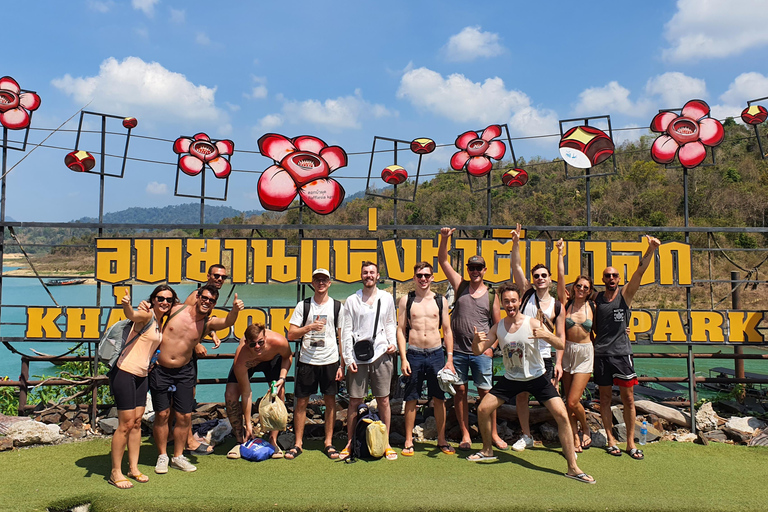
<point>613,353</point>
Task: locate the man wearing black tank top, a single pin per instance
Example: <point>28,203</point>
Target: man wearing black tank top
<point>613,353</point>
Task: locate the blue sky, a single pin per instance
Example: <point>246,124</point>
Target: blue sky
<point>347,71</point>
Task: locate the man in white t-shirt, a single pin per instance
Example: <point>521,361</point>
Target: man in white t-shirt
<point>360,323</point>
<point>318,361</point>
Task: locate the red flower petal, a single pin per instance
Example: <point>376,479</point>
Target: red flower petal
<point>664,149</point>
<point>201,136</point>
<point>322,196</point>
<point>661,121</point>
<point>29,100</point>
<point>221,167</point>
<point>711,132</point>
<point>696,109</point>
<point>491,132</point>
<point>225,147</point>
<point>496,149</point>
<point>276,189</point>
<point>190,165</point>
<point>15,119</point>
<point>275,146</point>
<point>182,145</point>
<point>479,165</point>
<point>334,156</point>
<point>463,140</point>
<point>309,143</point>
<point>692,154</point>
<point>9,84</point>
<point>459,160</point>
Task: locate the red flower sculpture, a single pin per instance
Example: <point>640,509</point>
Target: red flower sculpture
<point>15,105</point>
<point>685,135</point>
<point>302,166</point>
<point>201,150</point>
<point>477,151</point>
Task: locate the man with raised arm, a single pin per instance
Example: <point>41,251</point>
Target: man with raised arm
<point>518,336</point>
<point>260,350</point>
<point>421,313</point>
<point>613,352</point>
<point>173,378</point>
<point>316,323</point>
<point>538,303</point>
<point>369,314</point>
<point>475,305</point>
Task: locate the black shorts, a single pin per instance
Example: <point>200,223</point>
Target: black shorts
<point>540,387</point>
<point>311,376</point>
<point>175,385</point>
<point>129,390</point>
<point>549,368</point>
<point>270,369</point>
<point>619,370</point>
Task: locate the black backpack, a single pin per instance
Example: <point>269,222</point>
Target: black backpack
<point>411,298</point>
<point>359,444</point>
<point>336,310</point>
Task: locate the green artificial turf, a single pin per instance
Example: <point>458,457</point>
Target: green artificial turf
<point>674,477</point>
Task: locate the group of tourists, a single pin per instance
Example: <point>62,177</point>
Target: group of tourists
<point>356,342</point>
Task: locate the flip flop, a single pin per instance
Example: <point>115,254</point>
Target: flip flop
<point>446,449</point>
<point>582,477</point>
<point>140,477</point>
<point>202,449</point>
<point>390,454</point>
<point>636,454</point>
<point>279,454</point>
<point>293,452</point>
<point>331,452</point>
<point>344,454</point>
<point>465,446</point>
<point>614,450</point>
<point>115,482</point>
<point>587,444</point>
<point>501,446</point>
<point>407,451</point>
<point>234,453</point>
<point>480,457</point>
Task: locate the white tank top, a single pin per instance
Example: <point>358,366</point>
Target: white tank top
<point>531,310</point>
<point>522,358</point>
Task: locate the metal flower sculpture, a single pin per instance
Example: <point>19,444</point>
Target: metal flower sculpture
<point>15,104</point>
<point>754,114</point>
<point>302,167</point>
<point>515,177</point>
<point>394,175</point>
<point>478,150</point>
<point>201,150</point>
<point>585,146</point>
<point>686,135</point>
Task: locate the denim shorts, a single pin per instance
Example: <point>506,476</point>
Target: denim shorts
<point>481,366</point>
<point>425,363</point>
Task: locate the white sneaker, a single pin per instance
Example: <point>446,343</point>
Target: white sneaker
<point>523,443</point>
<point>161,467</point>
<point>182,463</point>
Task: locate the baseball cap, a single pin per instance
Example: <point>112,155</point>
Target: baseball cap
<point>476,260</point>
<point>321,272</point>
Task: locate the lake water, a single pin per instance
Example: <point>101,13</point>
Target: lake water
<point>18,292</point>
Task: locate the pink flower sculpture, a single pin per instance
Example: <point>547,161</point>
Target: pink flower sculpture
<point>302,166</point>
<point>477,151</point>
<point>16,105</point>
<point>685,135</point>
<point>201,150</point>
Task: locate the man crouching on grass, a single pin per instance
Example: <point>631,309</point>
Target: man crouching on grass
<point>518,337</point>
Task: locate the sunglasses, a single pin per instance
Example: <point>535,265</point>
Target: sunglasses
<point>219,276</point>
<point>540,276</point>
<point>581,286</point>
<point>205,298</point>
<point>255,344</point>
<point>161,299</point>
<point>608,274</point>
<point>475,268</point>
<point>423,276</point>
<point>321,279</point>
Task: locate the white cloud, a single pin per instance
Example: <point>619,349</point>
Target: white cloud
<point>232,107</point>
<point>270,122</point>
<point>157,189</point>
<point>101,6</point>
<point>144,90</point>
<point>259,91</point>
<point>471,43</point>
<point>178,16</point>
<point>675,88</point>
<point>610,99</point>
<point>146,6</point>
<point>202,39</point>
<point>715,29</point>
<point>337,113</point>
<point>746,86</point>
<point>460,99</point>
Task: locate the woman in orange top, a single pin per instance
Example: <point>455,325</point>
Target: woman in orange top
<point>128,381</point>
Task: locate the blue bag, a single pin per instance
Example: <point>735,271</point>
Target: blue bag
<point>256,450</point>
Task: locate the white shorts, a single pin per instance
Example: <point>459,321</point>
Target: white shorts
<point>578,357</point>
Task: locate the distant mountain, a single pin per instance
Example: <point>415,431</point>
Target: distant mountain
<point>188,213</point>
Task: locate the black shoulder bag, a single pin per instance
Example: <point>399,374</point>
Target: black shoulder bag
<point>364,348</point>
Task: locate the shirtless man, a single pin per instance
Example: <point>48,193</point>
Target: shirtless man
<point>420,327</point>
<point>173,378</point>
<point>260,350</point>
<point>518,336</point>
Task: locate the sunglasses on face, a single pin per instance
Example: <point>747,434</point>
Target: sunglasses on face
<point>581,286</point>
<point>219,276</point>
<point>607,274</point>
<point>423,276</point>
<point>160,299</point>
<point>321,280</point>
<point>205,298</point>
<point>257,343</point>
<point>540,276</point>
<point>475,268</point>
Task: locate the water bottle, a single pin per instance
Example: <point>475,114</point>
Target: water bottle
<point>644,432</point>
<point>153,361</point>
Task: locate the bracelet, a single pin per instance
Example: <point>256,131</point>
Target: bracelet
<point>449,353</point>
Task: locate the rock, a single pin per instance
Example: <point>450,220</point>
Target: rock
<point>717,436</point>
<point>397,407</point>
<point>706,418</point>
<point>730,407</point>
<point>737,435</point>
<point>653,433</point>
<point>760,438</point>
<point>594,420</point>
<point>66,425</point>
<point>6,443</point>
<point>204,409</point>
<point>620,432</point>
<point>508,413</point>
<point>418,433</point>
<point>396,439</point>
<point>685,437</point>
<point>33,432</point>
<point>7,421</point>
<point>599,440</point>
<point>667,413</point>
<point>112,412</point>
<point>618,414</point>
<point>429,428</point>
<point>746,425</point>
<point>548,432</point>
<point>504,431</point>
<point>50,417</point>
<point>286,439</point>
<point>108,425</point>
<point>397,425</point>
<point>76,432</point>
<point>373,404</point>
<point>217,434</point>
